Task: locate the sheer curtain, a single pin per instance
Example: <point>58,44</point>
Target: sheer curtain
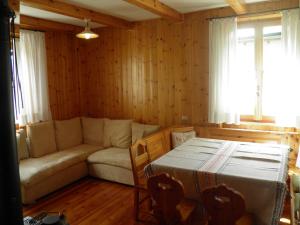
<point>222,72</point>
<point>33,76</point>
<point>289,111</point>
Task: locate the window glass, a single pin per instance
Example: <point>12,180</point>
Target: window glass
<point>246,70</point>
<point>271,61</point>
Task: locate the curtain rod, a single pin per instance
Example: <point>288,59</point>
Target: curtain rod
<point>254,13</point>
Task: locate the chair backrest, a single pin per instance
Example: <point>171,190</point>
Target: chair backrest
<point>156,145</point>
<point>139,159</point>
<point>167,193</point>
<point>223,205</point>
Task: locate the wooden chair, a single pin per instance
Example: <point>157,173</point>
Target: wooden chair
<point>156,145</point>
<point>139,159</point>
<point>167,194</point>
<point>225,206</point>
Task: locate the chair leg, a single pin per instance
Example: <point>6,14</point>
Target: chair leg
<point>136,203</point>
<point>150,204</point>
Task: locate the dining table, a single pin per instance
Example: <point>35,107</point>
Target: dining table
<point>257,170</point>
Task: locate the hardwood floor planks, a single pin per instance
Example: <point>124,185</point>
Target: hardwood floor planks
<point>92,201</point>
<point>89,201</point>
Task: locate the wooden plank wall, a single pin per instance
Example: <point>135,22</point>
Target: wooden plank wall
<point>65,70</point>
<point>157,72</point>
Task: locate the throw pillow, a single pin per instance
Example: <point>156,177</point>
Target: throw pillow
<point>41,139</point>
<point>117,133</point>
<point>180,137</point>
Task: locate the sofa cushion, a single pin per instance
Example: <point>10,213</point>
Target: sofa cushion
<point>22,144</point>
<point>140,130</point>
<point>34,170</point>
<point>92,130</point>
<point>150,129</point>
<point>117,133</point>
<point>41,139</point>
<point>137,131</point>
<point>68,133</point>
<point>112,156</point>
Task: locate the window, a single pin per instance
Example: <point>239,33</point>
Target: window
<point>259,45</point>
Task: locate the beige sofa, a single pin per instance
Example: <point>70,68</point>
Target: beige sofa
<point>56,153</point>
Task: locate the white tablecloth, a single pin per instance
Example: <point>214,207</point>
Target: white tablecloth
<point>258,171</point>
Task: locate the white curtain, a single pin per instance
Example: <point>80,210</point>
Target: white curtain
<point>289,111</point>
<point>222,71</point>
<point>33,77</point>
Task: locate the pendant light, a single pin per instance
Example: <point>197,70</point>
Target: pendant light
<point>87,33</point>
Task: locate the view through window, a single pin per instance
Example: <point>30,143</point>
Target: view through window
<point>258,68</point>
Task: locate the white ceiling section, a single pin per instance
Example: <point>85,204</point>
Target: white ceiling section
<point>124,10</point>
<point>117,8</point>
<point>186,6</point>
<point>42,14</point>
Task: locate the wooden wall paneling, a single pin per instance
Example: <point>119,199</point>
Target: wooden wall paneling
<point>104,79</point>
<point>196,73</point>
<point>164,79</point>
<point>124,74</point>
<point>117,72</point>
<point>95,87</point>
<point>157,72</point>
<point>161,104</point>
<point>137,73</point>
<point>187,94</point>
<point>108,108</point>
<point>144,103</point>
<point>153,93</point>
<point>81,65</point>
<point>63,75</point>
<point>113,70</point>
<point>113,78</point>
<point>178,71</point>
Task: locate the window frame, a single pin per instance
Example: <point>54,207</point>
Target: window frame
<point>258,26</point>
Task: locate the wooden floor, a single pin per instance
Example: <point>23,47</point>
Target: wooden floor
<point>94,202</point>
<point>89,202</point>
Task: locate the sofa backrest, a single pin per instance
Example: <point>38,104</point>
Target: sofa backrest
<point>68,133</point>
<point>22,147</point>
<point>41,139</point>
<point>49,137</point>
<point>117,133</point>
<point>140,130</point>
<point>93,130</point>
